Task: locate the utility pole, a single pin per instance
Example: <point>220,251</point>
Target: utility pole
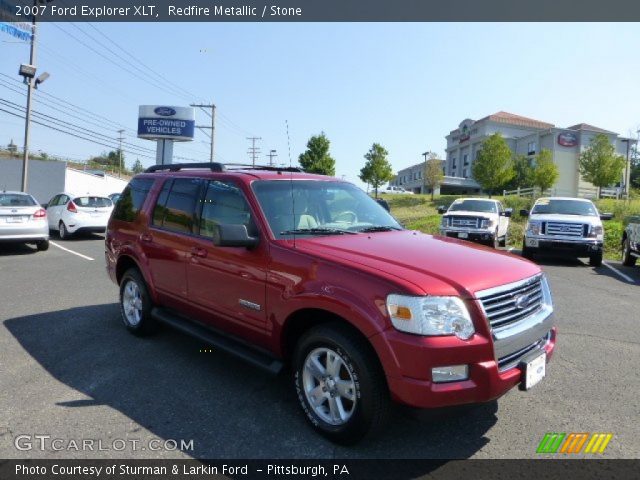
<point>206,127</point>
<point>253,150</point>
<point>271,154</point>
<point>121,132</point>
<point>27,119</point>
<point>424,178</point>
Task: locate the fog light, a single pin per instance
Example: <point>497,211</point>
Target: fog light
<point>453,373</point>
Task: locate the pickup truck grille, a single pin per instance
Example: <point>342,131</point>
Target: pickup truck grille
<point>464,222</point>
<point>565,229</point>
<point>510,306</point>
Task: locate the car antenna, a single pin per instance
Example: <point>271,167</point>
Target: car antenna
<point>293,201</point>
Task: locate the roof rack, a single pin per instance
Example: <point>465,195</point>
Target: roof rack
<point>245,166</point>
<point>175,167</point>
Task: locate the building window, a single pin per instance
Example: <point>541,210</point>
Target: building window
<point>453,162</point>
<point>464,173</point>
<point>531,148</point>
<point>465,160</point>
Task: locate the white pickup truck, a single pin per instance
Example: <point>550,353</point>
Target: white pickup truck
<point>569,226</point>
<point>480,220</point>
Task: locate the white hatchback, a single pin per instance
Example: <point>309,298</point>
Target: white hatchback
<point>69,214</point>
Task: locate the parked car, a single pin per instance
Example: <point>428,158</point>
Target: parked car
<point>391,190</point>
<point>70,214</point>
<point>564,225</point>
<point>23,220</point>
<point>283,267</point>
<point>631,242</point>
<point>476,219</point>
<point>114,197</point>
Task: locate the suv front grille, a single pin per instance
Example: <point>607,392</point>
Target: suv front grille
<point>510,306</point>
<point>513,359</point>
<point>564,229</point>
<point>465,222</point>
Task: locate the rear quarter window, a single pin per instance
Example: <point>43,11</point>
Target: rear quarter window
<point>132,199</point>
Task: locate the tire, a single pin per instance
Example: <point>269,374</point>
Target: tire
<point>503,242</point>
<point>63,233</point>
<point>358,367</point>
<point>628,260</point>
<point>42,245</point>
<point>526,251</point>
<point>135,304</point>
<point>596,259</point>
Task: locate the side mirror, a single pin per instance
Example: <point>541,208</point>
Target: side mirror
<point>606,216</point>
<point>442,209</point>
<point>507,212</point>
<point>384,204</point>
<point>44,205</point>
<point>524,213</point>
<point>232,235</point>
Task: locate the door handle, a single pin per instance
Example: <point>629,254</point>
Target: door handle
<point>198,252</point>
<point>146,238</point>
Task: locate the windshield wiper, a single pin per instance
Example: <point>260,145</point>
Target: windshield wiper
<point>317,231</point>
<point>378,228</point>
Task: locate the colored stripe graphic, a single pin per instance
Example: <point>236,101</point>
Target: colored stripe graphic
<point>553,442</point>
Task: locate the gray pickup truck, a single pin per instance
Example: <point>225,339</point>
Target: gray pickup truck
<point>631,242</point>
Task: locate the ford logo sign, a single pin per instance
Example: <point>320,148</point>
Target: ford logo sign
<point>522,301</point>
<point>164,111</point>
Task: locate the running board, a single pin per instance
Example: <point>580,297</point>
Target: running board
<point>219,340</point>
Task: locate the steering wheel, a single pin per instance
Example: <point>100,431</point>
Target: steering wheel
<point>347,216</point>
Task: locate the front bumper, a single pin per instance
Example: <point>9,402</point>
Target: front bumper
<point>576,246</point>
<point>473,235</point>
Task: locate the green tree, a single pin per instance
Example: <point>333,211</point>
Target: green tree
<point>377,169</point>
<point>108,159</point>
<point>545,172</point>
<point>317,159</point>
<point>599,164</point>
<point>634,176</point>
<point>137,166</point>
<point>433,174</point>
<point>493,168</point>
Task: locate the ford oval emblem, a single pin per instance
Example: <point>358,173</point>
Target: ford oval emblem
<point>164,111</point>
<point>522,301</point>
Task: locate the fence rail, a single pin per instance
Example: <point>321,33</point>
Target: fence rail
<point>583,192</point>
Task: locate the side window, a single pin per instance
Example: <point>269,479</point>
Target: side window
<point>54,201</point>
<point>500,209</point>
<point>159,209</point>
<point>224,203</point>
<point>64,199</point>
<point>179,209</point>
<point>132,199</point>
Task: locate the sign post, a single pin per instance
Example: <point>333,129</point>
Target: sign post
<point>166,125</point>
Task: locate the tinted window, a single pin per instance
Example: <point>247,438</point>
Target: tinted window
<point>132,199</point>
<point>224,203</point>
<point>92,202</point>
<point>180,207</point>
<point>16,200</point>
<point>159,209</point>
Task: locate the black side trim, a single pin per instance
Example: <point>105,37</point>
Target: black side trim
<point>220,340</point>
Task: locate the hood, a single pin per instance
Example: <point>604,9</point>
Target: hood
<point>556,217</point>
<point>435,265</point>
<point>465,213</point>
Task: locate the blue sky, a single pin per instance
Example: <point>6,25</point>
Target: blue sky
<point>402,85</point>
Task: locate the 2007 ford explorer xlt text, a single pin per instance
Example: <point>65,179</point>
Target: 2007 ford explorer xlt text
<point>286,268</point>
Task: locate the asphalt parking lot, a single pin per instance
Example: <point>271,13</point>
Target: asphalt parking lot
<point>70,370</point>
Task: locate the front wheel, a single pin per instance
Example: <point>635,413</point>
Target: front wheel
<point>526,251</point>
<point>340,384</point>
<point>595,260</point>
<point>42,245</point>
<point>135,304</point>
<point>628,260</point>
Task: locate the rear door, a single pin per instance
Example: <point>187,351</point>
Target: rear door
<point>168,240</point>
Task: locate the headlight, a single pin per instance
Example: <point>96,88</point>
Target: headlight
<point>445,222</point>
<point>534,228</point>
<point>430,315</point>
<point>596,231</point>
<point>487,223</point>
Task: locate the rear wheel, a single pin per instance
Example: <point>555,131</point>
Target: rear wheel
<point>595,260</point>
<point>340,384</point>
<point>42,245</point>
<point>627,259</point>
<point>135,304</point>
<point>63,233</point>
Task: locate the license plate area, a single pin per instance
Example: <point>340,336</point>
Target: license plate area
<point>463,235</point>
<point>14,220</point>
<point>533,368</point>
<point>532,242</point>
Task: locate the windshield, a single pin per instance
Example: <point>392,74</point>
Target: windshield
<point>564,207</point>
<point>319,207</point>
<point>473,206</point>
<point>92,202</point>
<point>16,200</point>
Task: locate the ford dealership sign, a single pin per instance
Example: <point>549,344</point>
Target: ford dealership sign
<point>160,122</point>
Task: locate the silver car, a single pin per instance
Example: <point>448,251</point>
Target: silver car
<point>23,220</point>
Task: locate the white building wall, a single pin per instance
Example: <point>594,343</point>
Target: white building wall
<point>82,183</point>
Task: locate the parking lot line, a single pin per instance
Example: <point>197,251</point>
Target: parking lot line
<point>618,272</point>
<point>70,251</point>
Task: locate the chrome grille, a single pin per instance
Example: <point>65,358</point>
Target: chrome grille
<point>505,307</point>
<point>564,229</point>
<point>468,222</point>
<point>513,359</point>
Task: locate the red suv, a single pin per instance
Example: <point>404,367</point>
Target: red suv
<point>282,267</point>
